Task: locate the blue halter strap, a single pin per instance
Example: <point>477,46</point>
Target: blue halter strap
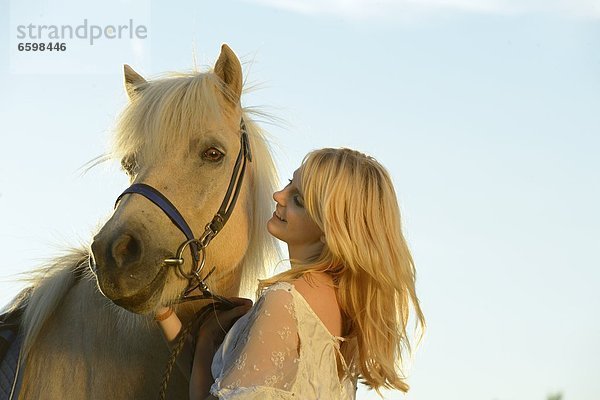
<point>164,204</point>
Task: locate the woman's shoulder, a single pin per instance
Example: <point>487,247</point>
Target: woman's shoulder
<point>275,300</point>
<point>313,285</point>
<point>315,292</point>
<point>319,292</point>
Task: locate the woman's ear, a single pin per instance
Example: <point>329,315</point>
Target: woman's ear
<point>322,239</point>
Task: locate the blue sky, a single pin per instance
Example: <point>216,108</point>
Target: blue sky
<point>486,114</point>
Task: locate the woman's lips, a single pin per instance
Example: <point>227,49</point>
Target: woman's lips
<point>278,217</point>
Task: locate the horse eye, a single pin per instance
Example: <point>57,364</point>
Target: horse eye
<point>213,154</point>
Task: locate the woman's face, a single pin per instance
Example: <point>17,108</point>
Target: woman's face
<point>290,222</point>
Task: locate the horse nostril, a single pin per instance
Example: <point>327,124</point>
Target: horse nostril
<point>126,250</point>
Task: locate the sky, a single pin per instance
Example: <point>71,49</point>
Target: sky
<point>486,114</point>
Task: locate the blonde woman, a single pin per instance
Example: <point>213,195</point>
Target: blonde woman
<point>339,314</point>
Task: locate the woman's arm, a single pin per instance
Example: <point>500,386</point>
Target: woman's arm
<point>169,323</point>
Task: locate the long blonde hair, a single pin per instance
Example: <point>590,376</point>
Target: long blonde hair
<point>350,196</point>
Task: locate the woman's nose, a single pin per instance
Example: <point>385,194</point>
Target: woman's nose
<point>278,197</point>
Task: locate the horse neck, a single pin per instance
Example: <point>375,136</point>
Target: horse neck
<point>90,348</point>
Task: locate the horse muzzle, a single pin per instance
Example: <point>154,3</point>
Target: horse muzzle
<point>126,274</point>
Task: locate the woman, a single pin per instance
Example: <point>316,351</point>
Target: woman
<point>339,313</point>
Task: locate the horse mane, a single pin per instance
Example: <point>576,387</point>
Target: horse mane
<point>49,286</point>
<point>263,249</point>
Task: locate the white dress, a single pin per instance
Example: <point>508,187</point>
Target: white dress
<point>280,350</point>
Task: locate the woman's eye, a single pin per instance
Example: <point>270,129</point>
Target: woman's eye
<point>213,154</point>
<point>298,202</point>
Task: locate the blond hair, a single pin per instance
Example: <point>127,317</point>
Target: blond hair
<point>350,196</point>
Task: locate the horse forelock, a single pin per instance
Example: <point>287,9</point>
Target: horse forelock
<point>168,110</point>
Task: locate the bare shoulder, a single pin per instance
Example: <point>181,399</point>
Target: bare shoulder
<point>314,284</point>
<point>319,292</point>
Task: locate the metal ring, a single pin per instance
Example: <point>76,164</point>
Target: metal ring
<point>179,260</point>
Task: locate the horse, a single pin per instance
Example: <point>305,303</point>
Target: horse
<point>88,333</point>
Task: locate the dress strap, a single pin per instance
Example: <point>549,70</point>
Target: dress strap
<point>336,344</point>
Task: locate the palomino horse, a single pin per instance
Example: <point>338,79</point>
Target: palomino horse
<point>91,335</point>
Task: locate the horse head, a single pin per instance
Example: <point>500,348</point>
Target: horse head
<point>181,136</point>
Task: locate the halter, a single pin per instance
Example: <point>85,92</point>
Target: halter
<point>198,246</point>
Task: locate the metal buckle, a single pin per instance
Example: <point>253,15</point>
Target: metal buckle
<point>207,236</point>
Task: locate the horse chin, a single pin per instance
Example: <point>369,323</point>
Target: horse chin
<point>144,301</point>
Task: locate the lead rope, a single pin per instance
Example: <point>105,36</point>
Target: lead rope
<point>173,358</point>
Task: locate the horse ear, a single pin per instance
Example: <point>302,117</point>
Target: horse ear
<point>132,81</point>
<point>229,69</point>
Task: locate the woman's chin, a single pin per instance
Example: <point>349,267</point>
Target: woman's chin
<point>274,228</point>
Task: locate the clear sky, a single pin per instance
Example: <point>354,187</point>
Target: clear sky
<point>486,113</point>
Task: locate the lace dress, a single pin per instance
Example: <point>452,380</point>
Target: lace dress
<point>280,350</point>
